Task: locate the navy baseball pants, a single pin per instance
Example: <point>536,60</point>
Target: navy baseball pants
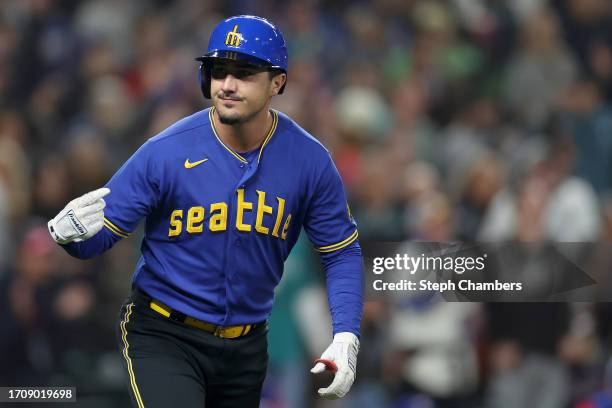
<point>171,364</point>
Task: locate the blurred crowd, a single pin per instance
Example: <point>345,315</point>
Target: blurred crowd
<point>449,120</point>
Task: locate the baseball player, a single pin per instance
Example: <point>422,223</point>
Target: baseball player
<point>224,193</point>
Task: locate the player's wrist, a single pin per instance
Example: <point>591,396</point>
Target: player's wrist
<point>346,337</point>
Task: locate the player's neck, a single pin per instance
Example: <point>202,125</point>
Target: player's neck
<point>247,136</point>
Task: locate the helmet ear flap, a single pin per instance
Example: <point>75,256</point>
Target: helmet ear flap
<point>204,79</point>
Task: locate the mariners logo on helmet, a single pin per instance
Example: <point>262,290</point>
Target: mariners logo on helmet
<point>259,43</point>
<point>233,38</point>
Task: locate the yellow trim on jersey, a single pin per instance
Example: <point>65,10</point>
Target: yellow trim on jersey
<point>126,356</point>
<point>270,133</point>
<point>236,155</point>
<point>115,229</point>
<point>339,245</point>
<point>212,125</point>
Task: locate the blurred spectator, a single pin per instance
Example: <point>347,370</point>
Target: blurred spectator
<point>420,182</point>
<point>431,342</point>
<point>588,120</point>
<point>51,186</point>
<point>538,71</point>
<point>376,211</point>
<point>585,23</point>
<point>15,176</point>
<point>25,295</point>
<point>485,178</point>
<point>5,238</point>
<point>567,207</point>
<point>88,160</point>
<point>363,114</point>
<point>475,129</point>
<point>524,369</point>
<point>414,134</point>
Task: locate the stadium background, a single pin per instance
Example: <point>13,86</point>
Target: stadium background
<point>449,120</point>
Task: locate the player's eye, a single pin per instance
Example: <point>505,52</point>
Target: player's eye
<point>218,72</point>
<point>243,73</point>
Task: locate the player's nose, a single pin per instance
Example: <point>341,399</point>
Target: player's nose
<point>229,83</point>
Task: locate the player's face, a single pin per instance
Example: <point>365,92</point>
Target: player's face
<point>240,91</point>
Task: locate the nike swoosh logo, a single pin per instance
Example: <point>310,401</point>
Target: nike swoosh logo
<point>192,165</point>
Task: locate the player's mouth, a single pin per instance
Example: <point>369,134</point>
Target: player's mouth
<point>228,101</point>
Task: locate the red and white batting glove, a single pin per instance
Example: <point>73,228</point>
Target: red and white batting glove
<point>81,219</point>
<point>341,358</point>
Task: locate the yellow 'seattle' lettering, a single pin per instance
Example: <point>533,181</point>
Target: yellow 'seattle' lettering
<point>242,207</point>
<point>218,217</point>
<point>195,219</point>
<point>196,222</point>
<point>262,209</point>
<point>286,227</point>
<point>279,216</point>
<point>176,225</point>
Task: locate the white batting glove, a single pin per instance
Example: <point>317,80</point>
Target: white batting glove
<point>340,356</point>
<point>81,219</point>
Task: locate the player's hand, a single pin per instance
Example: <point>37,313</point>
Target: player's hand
<point>343,354</point>
<point>81,219</point>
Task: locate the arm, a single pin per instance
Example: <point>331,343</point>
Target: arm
<point>93,246</point>
<point>90,225</point>
<point>333,231</point>
<point>344,287</point>
<point>345,298</point>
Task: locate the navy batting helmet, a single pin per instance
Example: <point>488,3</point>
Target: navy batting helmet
<point>250,39</point>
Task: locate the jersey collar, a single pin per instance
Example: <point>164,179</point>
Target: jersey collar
<point>235,154</point>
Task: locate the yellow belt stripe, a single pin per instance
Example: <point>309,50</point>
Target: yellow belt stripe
<point>113,230</point>
<point>230,332</point>
<point>126,319</point>
<point>160,309</point>
<point>339,245</point>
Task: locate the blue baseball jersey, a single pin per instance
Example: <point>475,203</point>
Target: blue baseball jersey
<point>220,224</point>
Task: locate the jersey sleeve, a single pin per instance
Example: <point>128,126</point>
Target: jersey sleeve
<point>135,191</point>
<point>328,221</point>
<point>333,232</point>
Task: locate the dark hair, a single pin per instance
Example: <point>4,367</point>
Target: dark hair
<point>274,72</point>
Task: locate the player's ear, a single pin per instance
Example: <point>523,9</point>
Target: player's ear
<point>278,81</point>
